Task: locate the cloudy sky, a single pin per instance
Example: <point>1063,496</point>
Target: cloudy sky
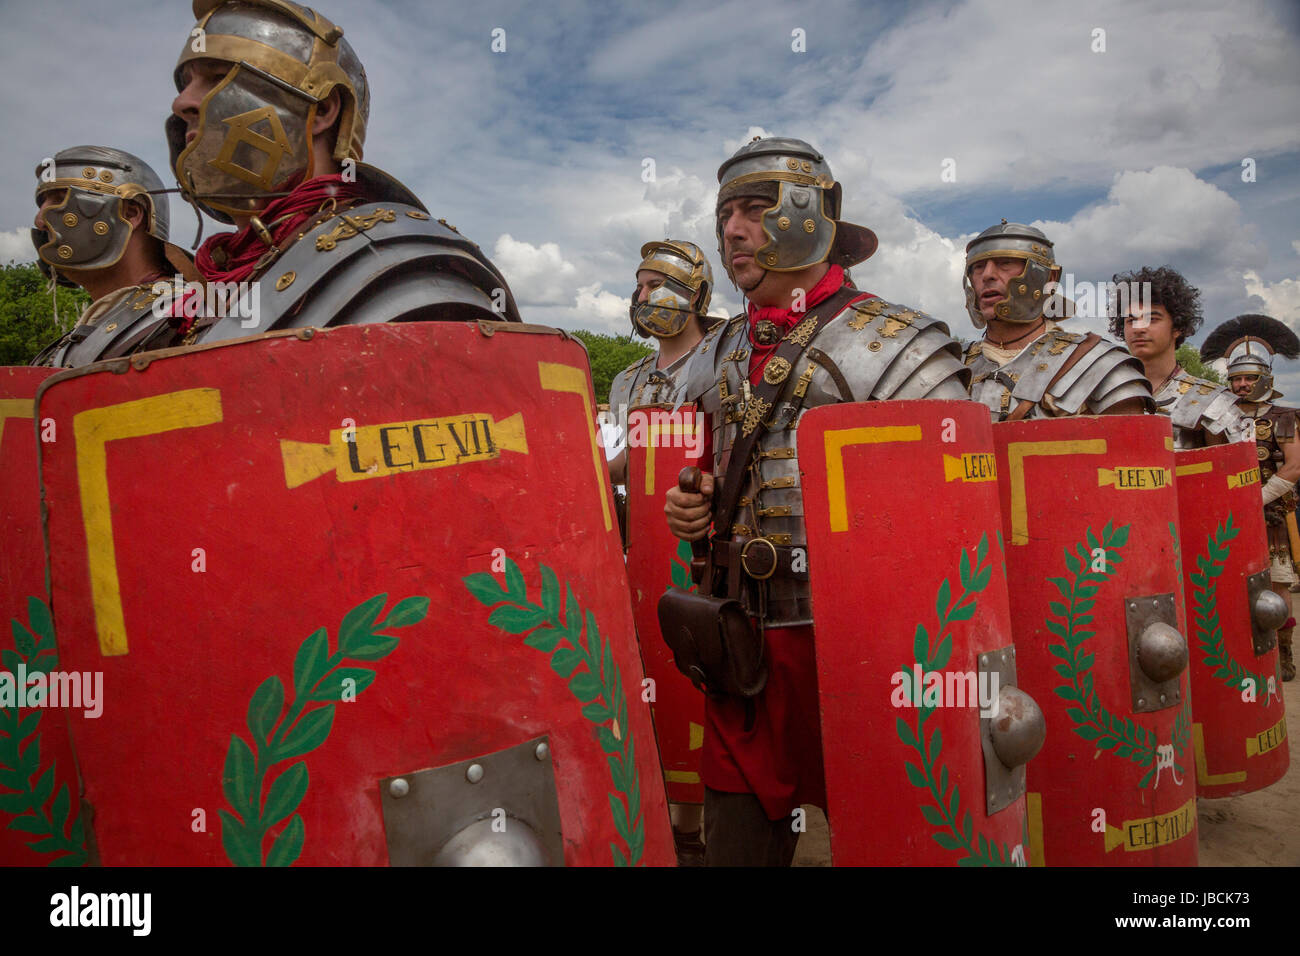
<point>1125,156</point>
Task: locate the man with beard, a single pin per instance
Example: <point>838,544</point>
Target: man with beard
<point>266,133</point>
<point>1163,311</point>
<point>102,225</point>
<point>785,247</point>
<point>1249,342</point>
<point>1025,366</point>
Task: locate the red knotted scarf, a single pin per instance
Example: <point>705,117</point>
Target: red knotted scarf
<point>785,319</point>
<point>232,256</point>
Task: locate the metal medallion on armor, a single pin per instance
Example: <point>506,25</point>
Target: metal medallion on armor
<point>1059,373</point>
<point>870,350</point>
<point>1198,408</point>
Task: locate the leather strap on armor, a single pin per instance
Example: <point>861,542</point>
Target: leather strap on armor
<point>765,396</point>
<point>1084,347</point>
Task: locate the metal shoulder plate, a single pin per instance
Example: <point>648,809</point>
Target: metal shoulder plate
<point>877,350</point>
<point>699,379</point>
<point>90,342</point>
<point>377,262</point>
<point>626,382</point>
<point>1194,403</point>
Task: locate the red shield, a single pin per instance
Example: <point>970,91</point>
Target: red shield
<point>1090,519</point>
<point>39,807</point>
<point>350,592</point>
<point>661,442</point>
<point>910,603</point>
<point>1239,718</point>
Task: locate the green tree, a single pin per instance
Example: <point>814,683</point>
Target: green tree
<point>1190,359</point>
<point>27,322</point>
<point>609,355</point>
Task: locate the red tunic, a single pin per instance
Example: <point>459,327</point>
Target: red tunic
<point>777,753</point>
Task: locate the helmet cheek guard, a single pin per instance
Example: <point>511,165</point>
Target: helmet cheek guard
<point>85,231</point>
<point>664,314</point>
<point>800,230</point>
<point>254,139</point>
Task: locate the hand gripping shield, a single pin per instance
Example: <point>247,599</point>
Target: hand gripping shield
<point>367,605</point>
<point>40,808</point>
<point>926,732</point>
<point>1090,520</point>
<point>661,442</point>
<point>1238,714</point>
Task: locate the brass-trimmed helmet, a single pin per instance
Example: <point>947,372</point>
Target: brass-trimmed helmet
<point>89,230</point>
<point>802,225</point>
<point>669,308</point>
<point>254,127</point>
<point>1249,342</point>
<point>1026,293</point>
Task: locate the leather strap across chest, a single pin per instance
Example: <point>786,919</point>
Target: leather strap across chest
<point>765,395</point>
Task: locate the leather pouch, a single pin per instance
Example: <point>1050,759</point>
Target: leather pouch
<point>714,643</point>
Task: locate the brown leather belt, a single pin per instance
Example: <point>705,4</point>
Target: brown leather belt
<point>761,559</point>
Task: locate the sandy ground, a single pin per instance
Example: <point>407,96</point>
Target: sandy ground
<point>1254,829</point>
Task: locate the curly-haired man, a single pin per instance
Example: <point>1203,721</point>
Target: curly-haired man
<point>1155,311</point>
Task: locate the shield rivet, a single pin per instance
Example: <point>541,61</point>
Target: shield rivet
<point>1163,698</point>
<point>399,787</point>
<point>69,219</point>
<point>475,773</point>
<point>984,659</point>
<point>542,752</point>
<point>1142,702</point>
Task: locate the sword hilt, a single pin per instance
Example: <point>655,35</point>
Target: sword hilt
<point>689,480</point>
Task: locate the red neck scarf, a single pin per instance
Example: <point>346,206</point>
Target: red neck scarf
<point>785,319</point>
<point>233,256</point>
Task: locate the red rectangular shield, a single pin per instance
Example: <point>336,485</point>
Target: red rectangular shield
<point>1238,714</point>
<point>661,442</point>
<point>329,576</point>
<point>40,818</point>
<point>1090,518</point>
<point>909,594</point>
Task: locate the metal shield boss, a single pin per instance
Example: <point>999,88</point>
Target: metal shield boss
<point>926,729</point>
<point>40,809</point>
<point>1090,519</point>
<point>351,594</point>
<point>1238,714</point>
<point>661,441</point>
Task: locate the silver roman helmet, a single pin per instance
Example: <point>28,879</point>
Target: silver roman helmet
<point>88,228</point>
<point>669,308</point>
<point>1026,293</point>
<point>254,126</point>
<point>1249,343</point>
<point>802,225</point>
